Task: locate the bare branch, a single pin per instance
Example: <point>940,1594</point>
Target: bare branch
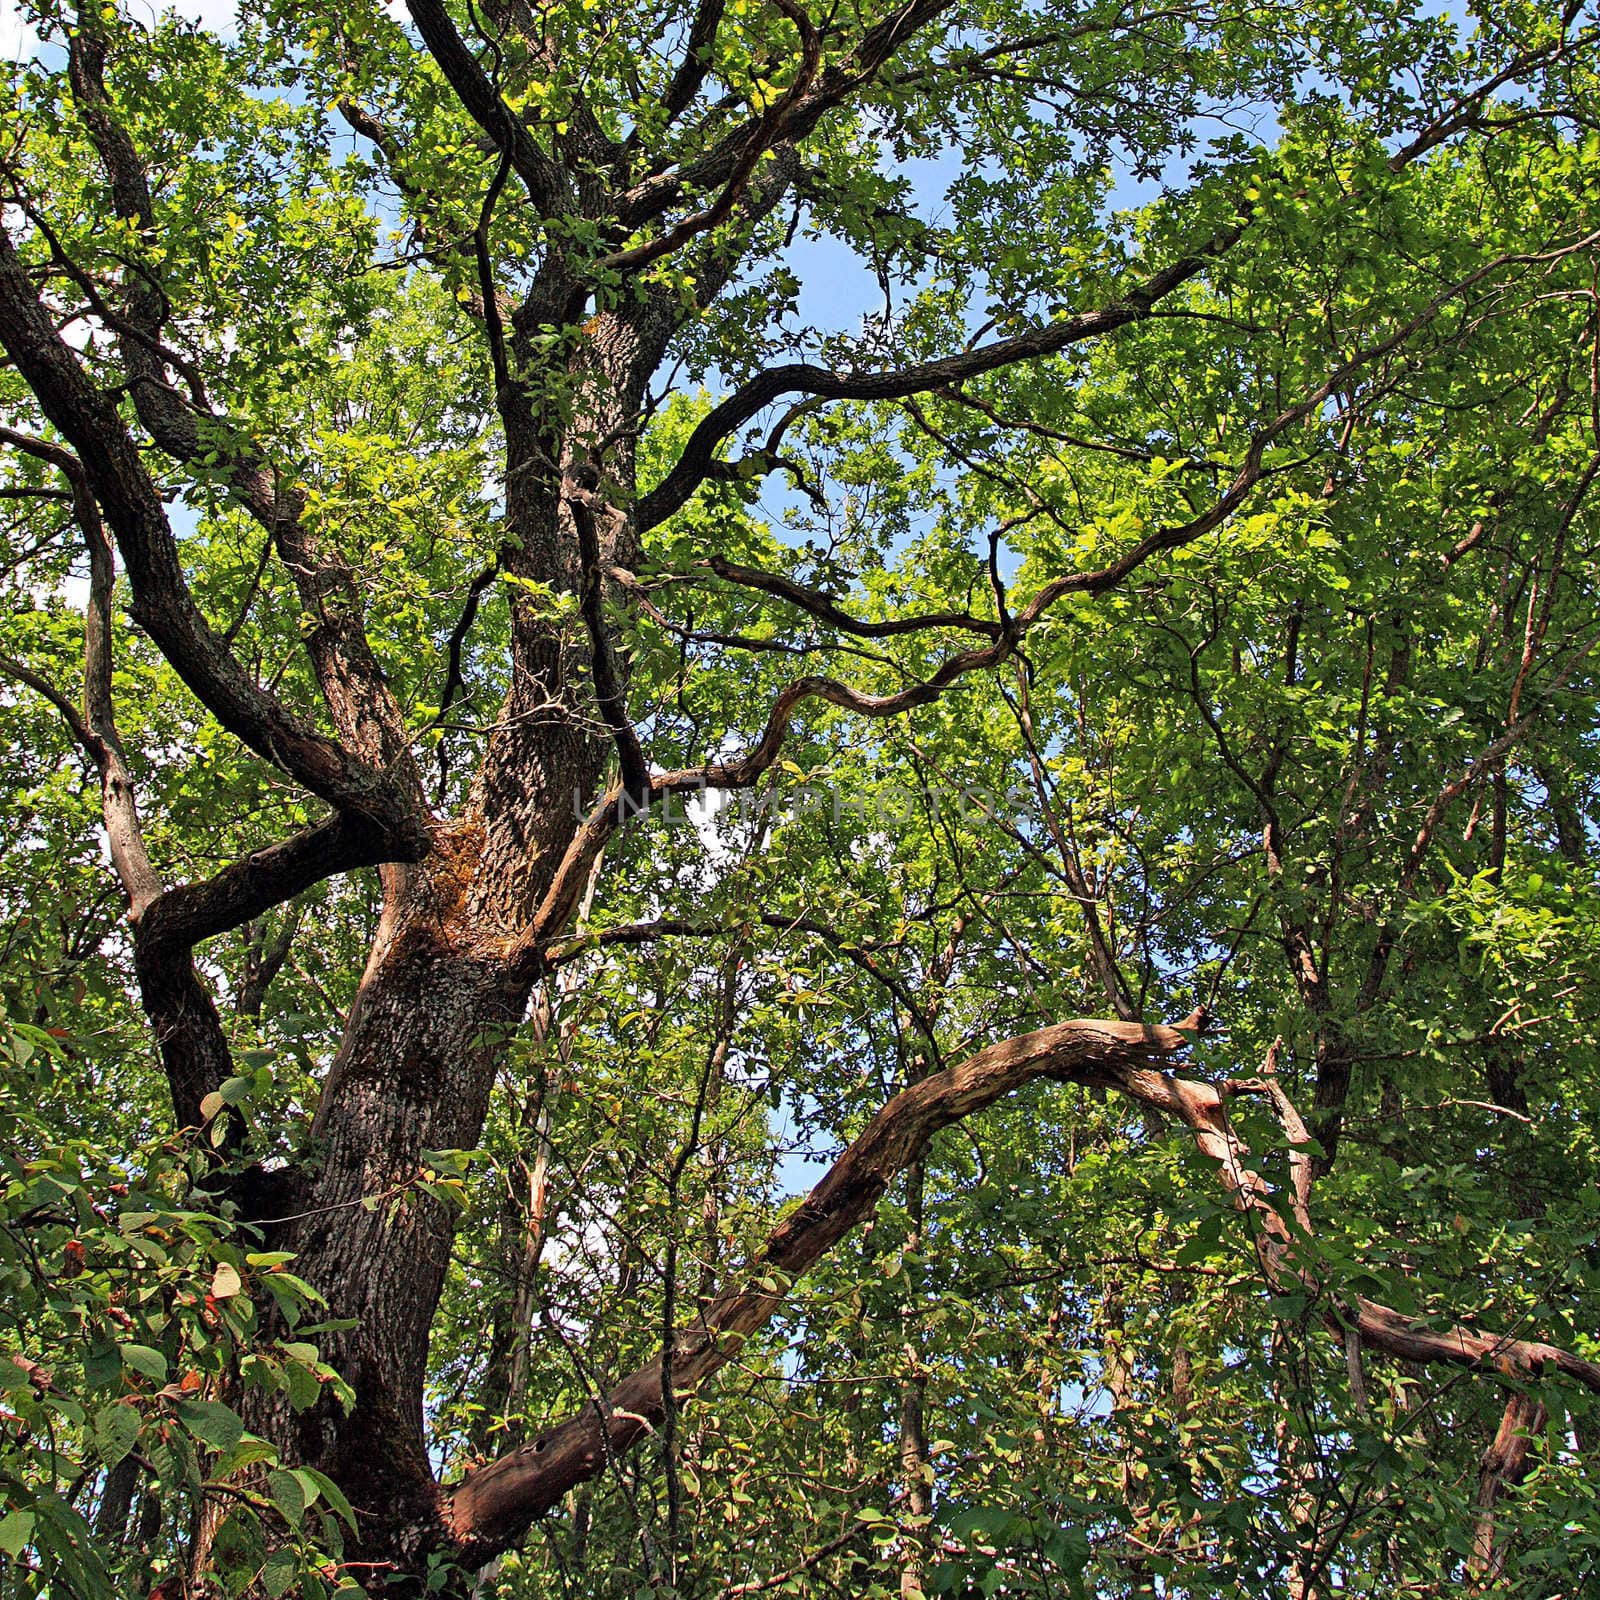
<point>693,463</point>
<point>491,1507</point>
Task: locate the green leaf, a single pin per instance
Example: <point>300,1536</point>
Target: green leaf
<point>248,1452</point>
<point>310,1484</point>
<point>218,1425</point>
<point>16,1529</point>
<point>332,1493</point>
<point>288,1494</point>
<point>116,1431</point>
<point>281,1570</point>
<point>146,1362</point>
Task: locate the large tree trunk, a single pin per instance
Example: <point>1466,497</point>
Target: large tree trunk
<point>442,994</point>
<point>447,982</point>
<point>414,1074</point>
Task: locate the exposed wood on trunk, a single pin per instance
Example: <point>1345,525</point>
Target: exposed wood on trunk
<point>1505,1465</point>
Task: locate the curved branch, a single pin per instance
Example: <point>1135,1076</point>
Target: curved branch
<point>769,130</point>
<point>241,891</point>
<point>483,103</point>
<point>193,1045</point>
<point>19,672</point>
<point>747,769</point>
<point>162,603</point>
<point>491,1508</point>
<point>827,610</point>
<point>1201,1107</point>
<point>694,463</point>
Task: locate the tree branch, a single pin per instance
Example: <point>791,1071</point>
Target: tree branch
<point>162,603</point>
<point>482,102</point>
<point>827,610</point>
<point>746,769</point>
<point>767,133</point>
<point>609,684</point>
<point>168,924</point>
<point>491,1508</point>
<point>194,1049</point>
<point>696,60</point>
<point>694,462</point>
<point>347,671</point>
<point>662,189</point>
<point>1505,1464</point>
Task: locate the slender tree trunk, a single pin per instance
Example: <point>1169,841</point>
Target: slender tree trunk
<point>116,1503</point>
<point>1299,1472</point>
<point>916,1470</point>
<point>1119,1379</point>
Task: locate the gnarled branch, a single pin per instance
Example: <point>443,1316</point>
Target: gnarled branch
<point>492,1507</point>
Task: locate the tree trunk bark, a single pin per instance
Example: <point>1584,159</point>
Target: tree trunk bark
<point>1118,1371</point>
<point>442,994</point>
<point>1505,1464</point>
<point>448,978</point>
<point>116,1503</point>
<point>413,1075</point>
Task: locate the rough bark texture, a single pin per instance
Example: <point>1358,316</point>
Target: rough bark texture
<point>472,902</point>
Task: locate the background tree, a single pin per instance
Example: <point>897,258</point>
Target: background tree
<point>572,740</point>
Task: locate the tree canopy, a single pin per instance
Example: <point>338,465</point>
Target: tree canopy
<point>661,938</point>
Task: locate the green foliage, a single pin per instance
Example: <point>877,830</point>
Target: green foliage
<point>1145,803</point>
<point>130,1335</point>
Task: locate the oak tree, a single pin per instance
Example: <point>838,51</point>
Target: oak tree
<point>564,731</point>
